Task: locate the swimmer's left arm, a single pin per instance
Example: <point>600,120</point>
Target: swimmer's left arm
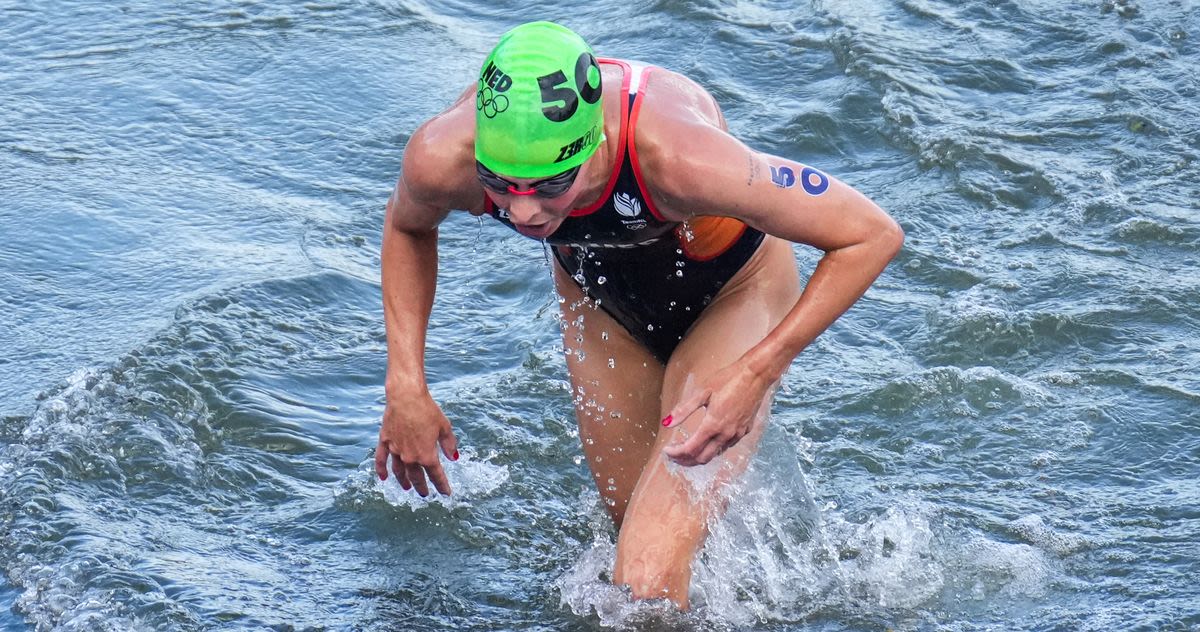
<point>711,173</point>
<point>715,174</point>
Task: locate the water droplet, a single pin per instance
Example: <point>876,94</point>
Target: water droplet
<point>679,273</point>
<point>612,364</point>
<point>604,335</point>
<point>649,327</point>
<point>601,280</point>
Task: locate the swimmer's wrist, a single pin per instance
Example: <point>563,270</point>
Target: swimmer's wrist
<point>404,385</point>
<point>768,361</point>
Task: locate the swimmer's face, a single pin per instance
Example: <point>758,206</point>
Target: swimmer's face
<point>536,206</point>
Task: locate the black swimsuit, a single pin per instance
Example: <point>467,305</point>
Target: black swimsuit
<point>652,275</point>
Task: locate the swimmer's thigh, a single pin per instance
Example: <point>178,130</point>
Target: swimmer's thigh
<point>667,519</point>
<point>615,386</point>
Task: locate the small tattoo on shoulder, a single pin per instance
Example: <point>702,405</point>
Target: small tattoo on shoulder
<point>753,169</point>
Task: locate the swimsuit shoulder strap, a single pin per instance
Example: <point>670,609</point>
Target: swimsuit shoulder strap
<point>638,74</point>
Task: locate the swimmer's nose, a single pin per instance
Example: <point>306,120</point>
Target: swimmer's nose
<point>524,209</point>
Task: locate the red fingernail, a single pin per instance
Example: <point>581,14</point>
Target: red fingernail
<point>455,457</point>
<point>667,420</point>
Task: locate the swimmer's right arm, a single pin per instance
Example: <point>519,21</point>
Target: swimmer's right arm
<point>413,426</point>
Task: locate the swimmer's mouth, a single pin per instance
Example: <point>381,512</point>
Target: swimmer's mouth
<point>538,231</point>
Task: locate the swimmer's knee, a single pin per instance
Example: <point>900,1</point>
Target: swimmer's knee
<point>645,580</point>
<point>654,577</point>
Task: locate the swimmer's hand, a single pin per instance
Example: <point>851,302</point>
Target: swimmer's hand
<point>721,410</point>
<point>413,428</point>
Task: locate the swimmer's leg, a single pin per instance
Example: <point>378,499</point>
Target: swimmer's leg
<point>668,517</point>
<point>617,402</point>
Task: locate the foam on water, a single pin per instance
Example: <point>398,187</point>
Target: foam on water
<point>470,479</point>
<point>1034,530</point>
<point>76,438</point>
<point>987,569</point>
<point>774,557</point>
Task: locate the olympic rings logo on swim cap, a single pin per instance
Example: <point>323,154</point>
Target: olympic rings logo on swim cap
<point>488,102</point>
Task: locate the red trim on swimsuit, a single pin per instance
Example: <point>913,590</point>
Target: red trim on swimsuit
<point>633,156</point>
<point>616,169</point>
<point>710,237</point>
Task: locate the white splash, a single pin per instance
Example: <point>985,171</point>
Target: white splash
<point>469,479</point>
<point>774,556</point>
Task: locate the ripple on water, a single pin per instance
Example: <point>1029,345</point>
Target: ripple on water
<point>1144,230</point>
<point>971,331</point>
<point>1034,530</point>
<point>59,539</point>
<point>125,478</point>
<point>982,389</point>
<point>1042,157</point>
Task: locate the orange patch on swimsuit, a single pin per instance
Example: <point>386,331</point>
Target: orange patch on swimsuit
<point>706,237</point>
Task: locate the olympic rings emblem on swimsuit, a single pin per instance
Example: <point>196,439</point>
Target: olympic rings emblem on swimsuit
<point>490,103</point>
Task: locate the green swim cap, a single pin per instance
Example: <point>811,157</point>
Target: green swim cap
<point>537,107</point>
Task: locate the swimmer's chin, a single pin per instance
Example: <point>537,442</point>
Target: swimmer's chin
<point>537,231</point>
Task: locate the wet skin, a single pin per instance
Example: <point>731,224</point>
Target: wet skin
<point>715,391</point>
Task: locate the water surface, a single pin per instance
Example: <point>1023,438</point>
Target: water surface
<point>1001,435</point>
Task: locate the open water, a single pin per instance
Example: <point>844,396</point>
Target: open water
<point>1003,435</point>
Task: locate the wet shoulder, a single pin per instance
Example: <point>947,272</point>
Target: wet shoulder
<point>674,119</point>
<point>439,159</point>
<point>672,96</point>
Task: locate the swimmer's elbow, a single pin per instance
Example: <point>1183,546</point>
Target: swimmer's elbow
<point>891,238</point>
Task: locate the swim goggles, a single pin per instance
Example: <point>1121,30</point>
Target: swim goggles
<point>551,187</point>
